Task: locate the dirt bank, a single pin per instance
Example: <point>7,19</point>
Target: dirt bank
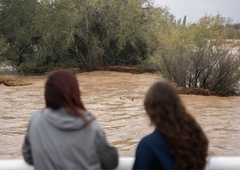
<point>203,92</point>
<point>126,69</point>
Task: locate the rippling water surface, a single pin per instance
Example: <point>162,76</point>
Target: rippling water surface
<point>124,121</point>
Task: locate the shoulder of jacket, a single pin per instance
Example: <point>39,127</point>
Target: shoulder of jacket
<point>95,125</point>
<point>36,114</point>
<point>148,140</point>
<point>98,129</point>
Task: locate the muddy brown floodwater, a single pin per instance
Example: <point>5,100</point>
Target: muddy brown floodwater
<point>124,121</point>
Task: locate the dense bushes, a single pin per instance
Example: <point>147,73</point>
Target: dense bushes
<point>199,55</point>
<point>43,35</point>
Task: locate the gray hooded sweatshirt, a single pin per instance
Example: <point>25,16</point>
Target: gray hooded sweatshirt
<point>58,140</point>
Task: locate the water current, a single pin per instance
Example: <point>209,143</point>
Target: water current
<point>124,121</point>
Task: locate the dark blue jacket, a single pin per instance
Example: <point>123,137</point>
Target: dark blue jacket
<point>153,152</point>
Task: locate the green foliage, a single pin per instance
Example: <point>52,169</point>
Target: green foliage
<point>46,34</point>
<point>199,55</point>
<point>146,65</point>
<point>16,21</point>
<point>3,61</point>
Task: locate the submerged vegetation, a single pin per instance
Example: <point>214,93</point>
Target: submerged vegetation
<point>38,36</point>
<point>13,82</point>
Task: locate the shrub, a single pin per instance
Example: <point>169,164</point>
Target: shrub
<point>199,55</point>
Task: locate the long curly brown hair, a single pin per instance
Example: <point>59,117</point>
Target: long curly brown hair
<point>187,141</point>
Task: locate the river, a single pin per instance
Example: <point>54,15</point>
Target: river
<point>124,121</point>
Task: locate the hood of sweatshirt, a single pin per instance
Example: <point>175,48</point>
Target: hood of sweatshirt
<point>61,119</point>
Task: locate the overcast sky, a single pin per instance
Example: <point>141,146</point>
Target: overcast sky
<point>195,9</point>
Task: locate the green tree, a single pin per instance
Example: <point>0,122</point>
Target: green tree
<point>45,34</point>
<point>16,19</point>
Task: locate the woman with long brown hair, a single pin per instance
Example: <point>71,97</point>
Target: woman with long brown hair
<point>65,135</point>
<point>178,141</point>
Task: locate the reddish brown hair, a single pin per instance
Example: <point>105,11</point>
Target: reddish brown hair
<point>61,90</point>
<point>187,141</point>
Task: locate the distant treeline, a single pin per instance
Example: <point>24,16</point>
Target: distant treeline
<point>233,30</point>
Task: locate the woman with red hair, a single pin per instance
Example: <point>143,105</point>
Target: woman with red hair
<point>65,135</point>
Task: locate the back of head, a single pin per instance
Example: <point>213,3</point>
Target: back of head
<point>61,90</point>
<point>186,139</point>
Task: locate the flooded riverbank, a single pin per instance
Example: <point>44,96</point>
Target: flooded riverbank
<point>124,121</point>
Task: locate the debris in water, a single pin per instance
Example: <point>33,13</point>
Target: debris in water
<point>13,82</point>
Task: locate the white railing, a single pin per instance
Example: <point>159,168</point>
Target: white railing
<point>125,163</point>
